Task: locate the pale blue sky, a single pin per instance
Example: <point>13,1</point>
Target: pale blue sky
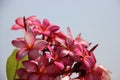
<point>97,20</point>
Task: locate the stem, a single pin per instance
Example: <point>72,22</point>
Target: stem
<point>93,48</point>
<point>25,26</point>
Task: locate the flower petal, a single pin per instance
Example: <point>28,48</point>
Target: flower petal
<point>19,43</point>
<point>46,23</point>
<point>104,73</point>
<point>46,32</point>
<point>64,52</point>
<point>61,35</point>
<point>30,66</point>
<point>93,75</point>
<point>33,20</point>
<point>81,41</point>
<point>34,76</point>
<point>66,61</point>
<point>59,64</point>
<point>53,28</point>
<point>41,44</point>
<point>44,77</point>
<point>21,54</point>
<point>20,21</point>
<point>22,73</point>
<point>52,70</point>
<point>16,27</point>
<point>69,32</point>
<point>43,61</point>
<point>88,63</point>
<point>69,41</point>
<point>30,38</point>
<point>33,54</point>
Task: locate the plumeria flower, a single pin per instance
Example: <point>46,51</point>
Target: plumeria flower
<point>70,45</point>
<point>29,46</point>
<point>98,73</point>
<point>22,23</point>
<point>40,70</point>
<point>46,28</point>
<point>58,58</point>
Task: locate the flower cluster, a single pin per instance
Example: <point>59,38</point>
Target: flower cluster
<point>54,55</point>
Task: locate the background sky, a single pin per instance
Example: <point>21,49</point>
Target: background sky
<point>97,20</point>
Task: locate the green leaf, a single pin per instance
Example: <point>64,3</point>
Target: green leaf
<point>12,65</point>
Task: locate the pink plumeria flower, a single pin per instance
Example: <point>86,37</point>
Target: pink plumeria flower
<point>46,28</point>
<point>58,59</point>
<point>97,73</point>
<point>69,45</point>
<point>29,46</point>
<point>30,21</point>
<point>104,72</point>
<point>40,70</point>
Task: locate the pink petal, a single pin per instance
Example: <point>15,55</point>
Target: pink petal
<point>64,52</point>
<point>33,54</point>
<point>93,75</point>
<point>69,41</point>
<point>19,43</point>
<point>88,63</point>
<point>69,32</point>
<point>41,44</point>
<point>22,73</point>
<point>44,77</point>
<point>21,54</point>
<point>77,51</point>
<point>51,50</point>
<point>81,41</point>
<point>60,65</point>
<point>61,35</point>
<point>48,55</point>
<point>104,73</point>
<point>16,27</point>
<point>46,32</point>
<point>66,61</point>
<point>93,56</point>
<point>34,76</point>
<point>52,70</point>
<point>30,66</point>
<point>46,23</point>
<point>61,41</point>
<point>53,28</point>
<point>43,61</point>
<point>30,38</point>
<point>33,20</point>
<point>20,21</point>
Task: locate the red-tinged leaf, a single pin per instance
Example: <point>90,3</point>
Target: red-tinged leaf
<point>12,65</point>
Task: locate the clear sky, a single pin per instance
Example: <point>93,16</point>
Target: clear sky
<point>97,20</point>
